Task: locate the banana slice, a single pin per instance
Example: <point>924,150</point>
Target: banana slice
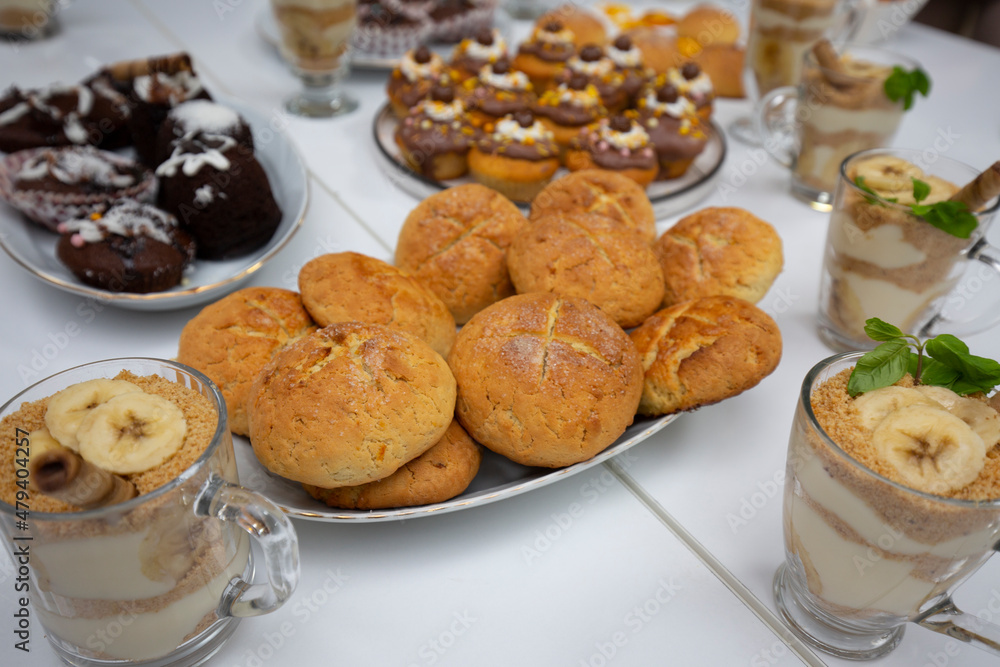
<point>876,405</point>
<point>68,408</point>
<point>980,417</point>
<point>132,432</point>
<point>932,450</point>
<point>889,176</point>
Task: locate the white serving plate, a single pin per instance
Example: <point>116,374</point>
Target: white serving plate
<point>34,248</point>
<point>498,478</point>
<point>667,197</point>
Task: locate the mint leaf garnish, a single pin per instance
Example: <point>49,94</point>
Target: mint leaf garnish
<point>903,85</point>
<point>947,362</point>
<point>920,189</point>
<point>952,217</point>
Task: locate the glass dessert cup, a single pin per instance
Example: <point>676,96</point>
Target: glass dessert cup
<point>780,32</point>
<point>165,577</point>
<point>883,261</point>
<point>316,43</point>
<point>813,127</point>
<point>864,555</point>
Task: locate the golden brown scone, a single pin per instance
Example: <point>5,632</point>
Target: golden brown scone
<point>659,47</point>
<point>348,286</point>
<point>708,25</point>
<point>441,473</point>
<point>545,380</point>
<point>455,242</point>
<point>592,257</point>
<point>719,250</point>
<point>599,191</point>
<point>232,339</point>
<point>703,351</point>
<point>349,404</point>
<point>586,26</point>
<point>723,63</point>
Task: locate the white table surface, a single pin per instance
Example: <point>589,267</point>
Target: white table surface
<point>663,557</point>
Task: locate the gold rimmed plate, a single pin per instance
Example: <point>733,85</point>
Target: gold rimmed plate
<point>33,248</point>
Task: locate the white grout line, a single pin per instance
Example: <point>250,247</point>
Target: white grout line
<point>357,218</point>
<point>738,588</point>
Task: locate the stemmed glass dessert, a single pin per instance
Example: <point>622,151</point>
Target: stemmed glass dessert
<point>315,42</point>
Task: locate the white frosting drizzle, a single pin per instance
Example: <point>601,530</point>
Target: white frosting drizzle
<point>74,167</point>
<point>128,219</point>
<point>183,85</point>
<point>636,137</point>
<point>494,51</point>
<point>513,80</point>
<point>40,100</point>
<point>191,163</point>
<point>682,107</point>
<point>14,113</point>
<point>508,128</point>
<point>204,115</point>
<point>598,67</point>
<point>630,58</point>
<point>443,111</point>
<point>413,70</point>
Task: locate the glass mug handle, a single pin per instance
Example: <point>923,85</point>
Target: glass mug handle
<point>776,123</point>
<point>946,618</point>
<point>274,533</point>
<point>856,12</point>
<point>990,256</point>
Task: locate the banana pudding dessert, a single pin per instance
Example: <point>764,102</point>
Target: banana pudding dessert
<point>893,493</point>
<point>892,252</point>
<point>781,31</point>
<point>122,567</point>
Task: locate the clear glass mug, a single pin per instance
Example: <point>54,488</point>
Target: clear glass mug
<point>882,261</point>
<point>864,555</point>
<point>812,127</point>
<point>163,578</point>
<point>780,31</point>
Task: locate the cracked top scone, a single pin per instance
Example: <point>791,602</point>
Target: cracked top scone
<point>348,286</point>
<point>231,339</point>
<point>349,404</point>
<point>455,242</point>
<point>545,380</point>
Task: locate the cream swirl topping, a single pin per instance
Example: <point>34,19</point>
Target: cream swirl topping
<point>414,71</point>
<point>508,128</point>
<point>513,80</point>
<point>635,138</point>
<point>443,111</point>
<point>679,109</point>
<point>492,52</point>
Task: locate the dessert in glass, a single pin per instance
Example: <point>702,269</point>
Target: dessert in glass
<point>315,42</point>
<point>840,107</point>
<point>892,500</point>
<point>883,260</point>
<point>119,481</point>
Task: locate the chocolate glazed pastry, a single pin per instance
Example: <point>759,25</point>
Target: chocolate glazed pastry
<point>132,248</point>
<point>220,194</point>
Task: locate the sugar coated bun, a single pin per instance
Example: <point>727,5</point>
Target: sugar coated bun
<point>545,380</point>
<point>598,191</point>
<point>439,474</point>
<point>719,250</point>
<point>707,24</point>
<point>704,351</point>
<point>348,286</point>
<point>455,243</point>
<point>592,257</point>
<point>349,404</point>
<point>232,339</point>
<point>586,26</point>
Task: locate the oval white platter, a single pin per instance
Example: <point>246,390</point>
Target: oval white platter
<point>498,478</point>
<point>34,248</point>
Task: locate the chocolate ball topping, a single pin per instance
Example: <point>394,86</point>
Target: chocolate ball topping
<point>578,81</point>
<point>623,43</point>
<point>524,118</point>
<point>422,55</point>
<point>620,123</point>
<point>501,66</point>
<point>552,26</point>
<point>690,70</point>
<point>667,94</point>
<point>485,37</point>
<point>591,53</point>
<point>444,94</point>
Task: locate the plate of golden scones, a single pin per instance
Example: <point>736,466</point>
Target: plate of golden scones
<point>495,353</point>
